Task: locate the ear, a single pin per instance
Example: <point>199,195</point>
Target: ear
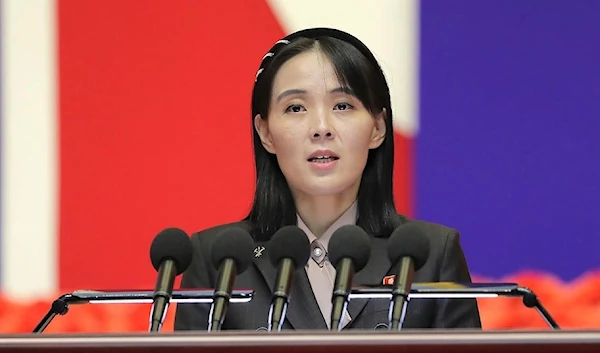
<point>262,128</point>
<point>379,130</point>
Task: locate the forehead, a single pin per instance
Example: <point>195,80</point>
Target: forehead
<point>309,70</point>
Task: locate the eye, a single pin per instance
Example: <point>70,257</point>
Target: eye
<point>343,106</point>
<point>294,108</point>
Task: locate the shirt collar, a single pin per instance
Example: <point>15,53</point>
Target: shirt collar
<point>347,218</point>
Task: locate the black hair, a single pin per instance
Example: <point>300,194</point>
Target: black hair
<point>356,67</point>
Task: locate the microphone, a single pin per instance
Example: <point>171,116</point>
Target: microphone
<point>289,251</point>
<point>349,252</point>
<point>231,254</point>
<point>171,254</point>
<point>408,250</point>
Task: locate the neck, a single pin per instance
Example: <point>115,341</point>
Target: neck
<point>319,213</point>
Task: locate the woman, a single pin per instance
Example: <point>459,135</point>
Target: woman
<point>324,154</point>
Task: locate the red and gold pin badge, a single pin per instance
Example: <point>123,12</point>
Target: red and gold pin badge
<point>388,280</point>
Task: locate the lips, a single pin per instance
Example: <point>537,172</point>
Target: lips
<point>323,159</point>
<point>323,156</point>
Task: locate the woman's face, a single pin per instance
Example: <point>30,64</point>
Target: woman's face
<point>320,133</point>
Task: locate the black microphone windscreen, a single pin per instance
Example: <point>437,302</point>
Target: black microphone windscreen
<point>174,244</point>
<point>289,242</point>
<point>352,242</point>
<point>409,240</point>
<point>235,244</point>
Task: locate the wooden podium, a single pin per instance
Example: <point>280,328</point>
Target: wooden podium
<point>312,342</point>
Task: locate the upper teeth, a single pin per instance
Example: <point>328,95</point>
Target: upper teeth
<point>323,157</point>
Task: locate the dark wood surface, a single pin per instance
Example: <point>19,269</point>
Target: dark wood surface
<point>312,342</point>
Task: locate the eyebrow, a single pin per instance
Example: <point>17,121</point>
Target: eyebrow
<point>296,91</point>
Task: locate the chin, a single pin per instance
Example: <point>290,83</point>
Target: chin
<point>323,188</point>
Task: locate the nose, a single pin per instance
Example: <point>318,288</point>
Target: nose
<point>321,127</point>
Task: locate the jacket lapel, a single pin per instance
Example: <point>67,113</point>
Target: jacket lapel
<point>303,307</point>
<point>372,274</point>
<point>303,312</point>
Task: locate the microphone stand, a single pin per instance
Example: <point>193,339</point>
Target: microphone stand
<point>58,307</point>
<point>198,296</point>
<point>531,300</point>
<point>448,290</point>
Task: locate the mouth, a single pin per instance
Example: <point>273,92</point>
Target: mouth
<point>323,159</point>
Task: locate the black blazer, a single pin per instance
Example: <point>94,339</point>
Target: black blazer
<point>446,263</point>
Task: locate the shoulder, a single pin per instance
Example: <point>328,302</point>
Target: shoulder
<point>202,240</point>
<point>444,242</point>
<point>438,234</point>
<point>441,237</point>
<point>209,234</point>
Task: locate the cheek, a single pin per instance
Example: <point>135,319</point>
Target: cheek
<point>285,139</point>
<point>358,140</point>
<point>288,146</point>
